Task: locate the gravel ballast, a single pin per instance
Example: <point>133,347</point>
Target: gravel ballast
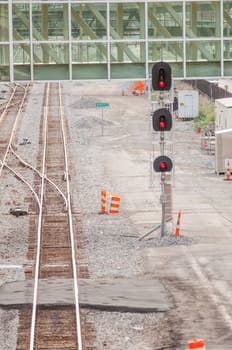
<point>109,150</point>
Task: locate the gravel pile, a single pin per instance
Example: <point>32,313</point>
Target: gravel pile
<point>168,240</point>
<point>85,102</point>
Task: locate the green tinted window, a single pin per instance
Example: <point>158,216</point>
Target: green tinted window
<point>88,21</point>
<point>127,21</point>
<point>165,19</point>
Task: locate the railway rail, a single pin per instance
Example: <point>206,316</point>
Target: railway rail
<point>52,239</point>
<point>12,110</point>
<point>55,238</point>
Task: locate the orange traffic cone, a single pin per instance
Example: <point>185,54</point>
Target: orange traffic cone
<point>228,172</point>
<point>177,231</point>
<point>103,202</point>
<point>196,344</point>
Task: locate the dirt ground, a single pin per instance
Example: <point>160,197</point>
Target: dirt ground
<point>112,148</point>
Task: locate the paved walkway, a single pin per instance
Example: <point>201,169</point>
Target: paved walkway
<point>132,295</point>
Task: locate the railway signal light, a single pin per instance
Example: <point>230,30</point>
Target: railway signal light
<point>162,120</point>
<point>162,164</point>
<point>161,76</point>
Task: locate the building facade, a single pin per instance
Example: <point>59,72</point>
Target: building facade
<point>79,40</point>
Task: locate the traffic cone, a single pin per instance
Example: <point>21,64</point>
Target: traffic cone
<point>177,231</point>
<point>228,172</point>
<point>103,202</point>
<point>196,344</point>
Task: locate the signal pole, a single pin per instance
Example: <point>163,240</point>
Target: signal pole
<point>162,122</point>
<point>163,205</point>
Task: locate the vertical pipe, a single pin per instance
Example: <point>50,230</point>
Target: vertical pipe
<point>146,42</point>
<point>163,204</point>
<point>70,40</point>
<point>184,37</point>
<point>31,41</point>
<point>11,51</point>
<point>108,40</point>
<point>222,38</point>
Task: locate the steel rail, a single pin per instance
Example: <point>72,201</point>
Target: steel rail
<point>8,102</point>
<point>4,161</point>
<point>75,277</point>
<point>39,228</point>
<point>40,174</point>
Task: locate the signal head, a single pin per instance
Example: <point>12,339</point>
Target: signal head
<point>162,164</point>
<point>161,76</point>
<point>162,120</point>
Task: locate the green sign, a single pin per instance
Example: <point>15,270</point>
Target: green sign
<point>102,104</point>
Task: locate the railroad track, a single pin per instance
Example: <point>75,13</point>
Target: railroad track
<point>52,244</point>
<point>9,119</point>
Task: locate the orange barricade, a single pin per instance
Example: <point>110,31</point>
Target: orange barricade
<point>196,344</point>
<point>228,172</point>
<point>114,204</point>
<point>103,202</point>
<point>177,231</point>
<point>109,207</point>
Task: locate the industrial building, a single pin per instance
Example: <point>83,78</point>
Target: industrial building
<point>79,40</point>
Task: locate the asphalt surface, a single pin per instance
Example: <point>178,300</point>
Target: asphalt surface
<point>121,295</point>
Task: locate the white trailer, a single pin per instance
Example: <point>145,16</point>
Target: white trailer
<point>223,113</point>
<point>223,149</point>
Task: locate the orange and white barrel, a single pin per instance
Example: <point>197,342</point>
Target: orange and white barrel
<point>114,204</point>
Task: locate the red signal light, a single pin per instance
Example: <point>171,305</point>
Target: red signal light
<point>162,122</point>
<point>163,165</point>
<point>162,78</point>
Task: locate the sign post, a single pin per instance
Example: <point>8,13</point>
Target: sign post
<point>102,105</point>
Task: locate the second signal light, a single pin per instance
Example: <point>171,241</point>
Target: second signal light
<point>162,120</point>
